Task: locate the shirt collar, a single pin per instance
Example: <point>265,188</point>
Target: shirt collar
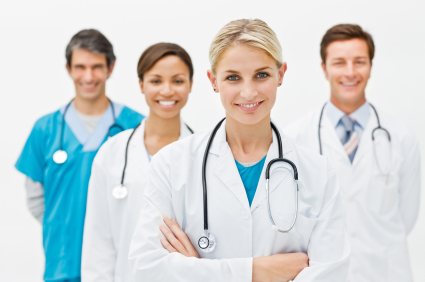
<point>361,115</point>
<point>334,114</point>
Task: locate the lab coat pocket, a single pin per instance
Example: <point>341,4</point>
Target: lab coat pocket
<point>299,236</point>
<point>382,192</point>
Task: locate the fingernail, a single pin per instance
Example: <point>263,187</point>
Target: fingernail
<point>161,226</point>
<point>166,218</point>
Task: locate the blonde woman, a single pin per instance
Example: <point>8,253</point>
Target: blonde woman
<point>241,202</point>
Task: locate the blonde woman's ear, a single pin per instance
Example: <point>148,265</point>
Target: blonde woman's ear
<point>282,71</point>
<point>213,80</point>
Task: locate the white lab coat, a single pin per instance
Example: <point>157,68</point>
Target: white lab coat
<point>378,215</point>
<point>110,223</point>
<point>242,232</point>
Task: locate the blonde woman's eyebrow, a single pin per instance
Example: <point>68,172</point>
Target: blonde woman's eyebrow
<point>263,68</point>
<point>233,71</point>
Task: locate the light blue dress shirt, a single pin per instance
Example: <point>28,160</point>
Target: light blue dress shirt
<point>361,117</point>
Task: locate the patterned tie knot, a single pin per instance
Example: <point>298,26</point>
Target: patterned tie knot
<point>348,123</point>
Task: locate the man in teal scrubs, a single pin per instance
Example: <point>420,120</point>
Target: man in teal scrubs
<point>57,192</point>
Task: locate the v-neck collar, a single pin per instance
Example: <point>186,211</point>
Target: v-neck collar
<point>90,142</point>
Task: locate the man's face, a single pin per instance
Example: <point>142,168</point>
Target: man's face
<point>347,68</point>
<point>89,72</point>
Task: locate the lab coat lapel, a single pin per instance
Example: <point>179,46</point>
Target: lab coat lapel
<point>330,140</point>
<point>137,152</point>
<point>276,173</point>
<point>184,131</point>
<point>366,144</point>
<point>225,167</point>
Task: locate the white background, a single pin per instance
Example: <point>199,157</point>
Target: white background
<point>34,82</point>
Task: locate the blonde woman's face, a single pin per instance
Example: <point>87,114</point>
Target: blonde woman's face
<point>247,80</point>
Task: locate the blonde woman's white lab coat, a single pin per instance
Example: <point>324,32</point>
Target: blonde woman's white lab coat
<point>379,210</point>
<point>110,223</point>
<point>242,232</point>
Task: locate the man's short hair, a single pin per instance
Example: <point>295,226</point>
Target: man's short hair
<point>91,40</point>
<point>344,32</point>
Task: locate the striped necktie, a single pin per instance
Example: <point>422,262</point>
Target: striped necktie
<point>350,140</point>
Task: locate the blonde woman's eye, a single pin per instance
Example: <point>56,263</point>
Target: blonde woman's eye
<point>232,78</point>
<point>262,75</point>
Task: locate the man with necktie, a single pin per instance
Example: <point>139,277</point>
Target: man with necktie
<point>376,158</point>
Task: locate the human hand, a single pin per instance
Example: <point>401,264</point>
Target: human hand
<point>279,267</point>
<point>177,241</point>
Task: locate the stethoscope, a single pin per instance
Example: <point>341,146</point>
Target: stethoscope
<point>207,241</point>
<point>379,127</point>
<point>120,191</point>
<point>60,156</point>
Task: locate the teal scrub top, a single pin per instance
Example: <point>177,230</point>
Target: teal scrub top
<point>66,185</point>
<point>250,177</point>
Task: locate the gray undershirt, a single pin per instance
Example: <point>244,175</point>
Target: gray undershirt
<point>248,164</point>
<point>89,121</point>
<point>35,190</point>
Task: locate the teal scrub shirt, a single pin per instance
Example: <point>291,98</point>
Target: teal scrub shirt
<point>66,185</point>
<point>250,176</point>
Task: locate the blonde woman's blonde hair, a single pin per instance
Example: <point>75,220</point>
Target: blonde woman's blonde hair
<point>253,33</point>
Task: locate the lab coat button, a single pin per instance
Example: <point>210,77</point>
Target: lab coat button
<point>244,215</point>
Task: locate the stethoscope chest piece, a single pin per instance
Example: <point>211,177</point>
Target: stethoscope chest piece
<point>60,157</point>
<point>207,242</point>
<point>120,192</point>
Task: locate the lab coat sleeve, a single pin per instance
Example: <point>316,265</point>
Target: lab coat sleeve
<point>328,249</point>
<point>35,198</point>
<point>149,260</point>
<point>99,254</point>
<point>410,183</point>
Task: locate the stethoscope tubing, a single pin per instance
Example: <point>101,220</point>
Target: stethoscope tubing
<point>126,151</point>
<point>267,175</point>
<point>204,169</point>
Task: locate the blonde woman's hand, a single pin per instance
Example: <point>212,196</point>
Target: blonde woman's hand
<point>177,241</point>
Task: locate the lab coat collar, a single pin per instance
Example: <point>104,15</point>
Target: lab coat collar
<point>139,135</point>
<point>330,140</point>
